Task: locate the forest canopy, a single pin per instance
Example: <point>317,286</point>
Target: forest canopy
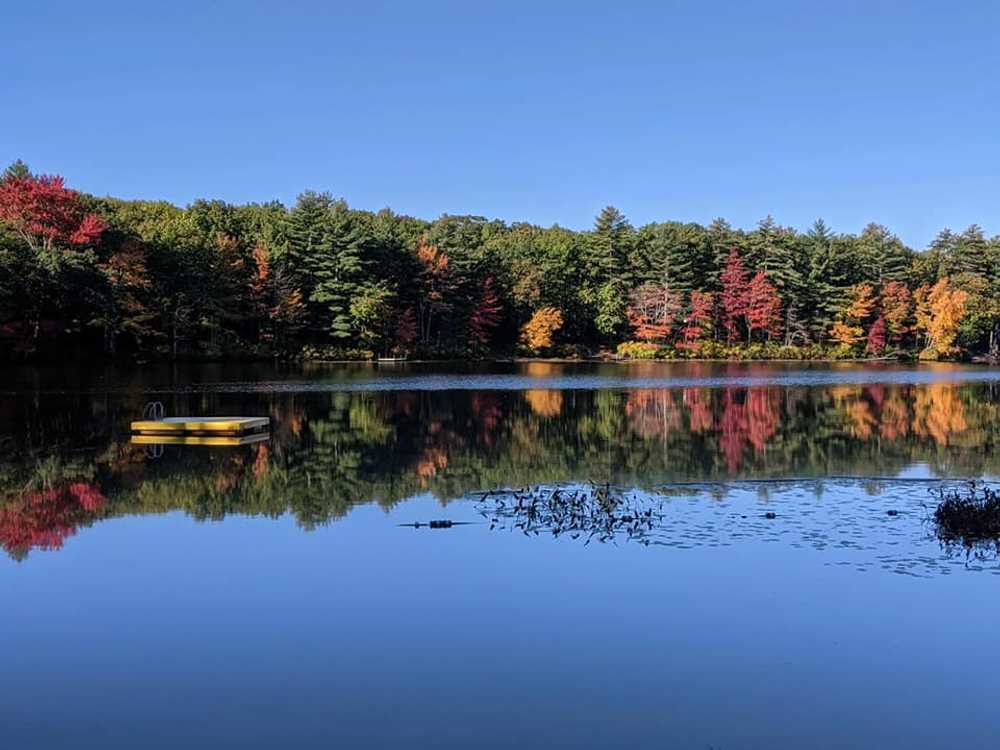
<point>87,276</point>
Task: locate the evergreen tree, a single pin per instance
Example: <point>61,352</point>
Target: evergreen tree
<point>829,278</point>
<point>721,238</point>
<point>609,246</point>
<point>18,169</point>
<point>326,250</point>
<point>772,250</point>
<point>883,257</point>
<point>970,254</point>
<point>669,254</point>
<point>339,269</point>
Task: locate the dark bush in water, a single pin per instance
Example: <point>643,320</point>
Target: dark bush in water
<point>971,518</point>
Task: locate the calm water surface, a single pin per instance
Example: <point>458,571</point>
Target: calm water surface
<point>270,595</point>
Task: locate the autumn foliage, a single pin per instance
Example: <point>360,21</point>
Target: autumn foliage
<point>537,334</point>
<point>876,337</point>
<point>653,311</point>
<point>322,280</point>
<point>487,312</point>
<point>735,292</point>
<point>763,307</point>
<point>698,325</point>
<point>849,329</point>
<point>45,214</point>
<point>43,519</point>
<point>897,310</point>
<point>940,309</point>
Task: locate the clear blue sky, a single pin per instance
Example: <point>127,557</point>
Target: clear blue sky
<point>539,111</point>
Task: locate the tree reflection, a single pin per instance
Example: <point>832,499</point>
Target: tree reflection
<point>43,519</point>
<point>331,451</point>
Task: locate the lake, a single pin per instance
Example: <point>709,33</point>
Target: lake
<point>686,555</point>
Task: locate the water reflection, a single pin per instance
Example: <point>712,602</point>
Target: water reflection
<point>67,461</point>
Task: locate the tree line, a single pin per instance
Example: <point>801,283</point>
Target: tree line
<point>82,275</point>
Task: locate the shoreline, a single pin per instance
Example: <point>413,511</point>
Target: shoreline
<point>978,362</point>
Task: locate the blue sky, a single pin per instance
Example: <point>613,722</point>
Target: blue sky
<point>541,111</point>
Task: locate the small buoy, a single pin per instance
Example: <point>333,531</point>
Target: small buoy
<point>770,514</point>
<point>892,512</point>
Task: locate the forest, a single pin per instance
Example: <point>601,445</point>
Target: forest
<point>85,277</point>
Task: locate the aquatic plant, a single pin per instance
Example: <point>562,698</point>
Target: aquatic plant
<point>969,518</point>
<point>595,512</point>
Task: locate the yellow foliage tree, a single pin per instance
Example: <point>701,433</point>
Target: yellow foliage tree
<point>846,335</point>
<point>849,330</point>
<point>922,308</point>
<point>940,309</point>
<point>537,333</point>
<point>862,303</point>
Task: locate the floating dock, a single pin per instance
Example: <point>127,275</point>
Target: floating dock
<point>205,426</point>
<point>209,440</point>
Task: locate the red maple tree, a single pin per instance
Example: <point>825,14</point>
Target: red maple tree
<point>44,213</point>
<point>406,327</point>
<point>763,311</point>
<point>487,313</point>
<point>876,336</point>
<point>699,321</point>
<point>735,293</point>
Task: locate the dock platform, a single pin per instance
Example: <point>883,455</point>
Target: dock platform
<point>216,441</point>
<point>231,426</point>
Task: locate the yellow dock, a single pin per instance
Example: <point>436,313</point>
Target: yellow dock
<point>201,426</point>
<point>210,440</point>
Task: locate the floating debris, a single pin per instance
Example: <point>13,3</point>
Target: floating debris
<point>442,524</point>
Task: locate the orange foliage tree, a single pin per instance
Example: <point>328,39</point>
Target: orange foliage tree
<point>652,311</point>
<point>537,334</point>
<point>438,284</point>
<point>278,306</point>
<point>123,309</point>
<point>897,310</point>
<point>940,310</point>
<point>848,330</point>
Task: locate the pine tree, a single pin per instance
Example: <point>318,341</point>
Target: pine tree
<point>669,254</point>
<point>772,251</point>
<point>721,238</point>
<point>306,237</point>
<point>609,246</point>
<point>828,279</point>
<point>338,269</point>
<point>970,254</point>
<point>326,249</point>
<point>17,170</point>
<point>883,257</point>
